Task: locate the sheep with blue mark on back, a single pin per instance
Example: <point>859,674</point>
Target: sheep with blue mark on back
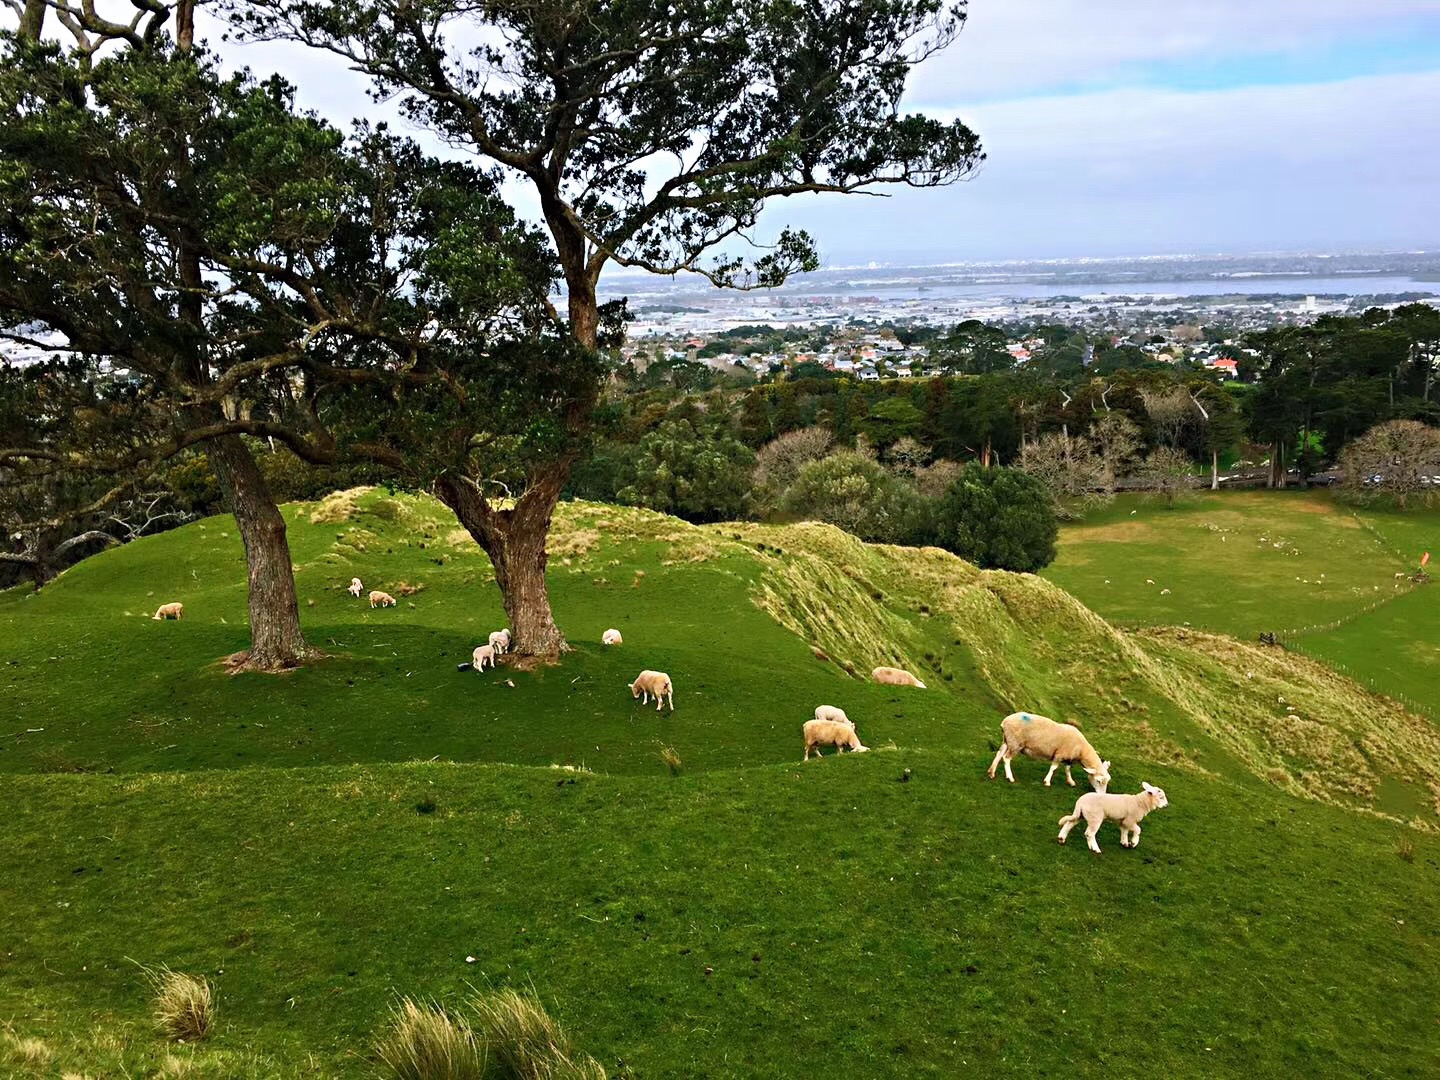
<point>1032,735</point>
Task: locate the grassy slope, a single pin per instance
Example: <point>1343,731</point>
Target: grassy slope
<point>879,927</point>
<point>1242,563</point>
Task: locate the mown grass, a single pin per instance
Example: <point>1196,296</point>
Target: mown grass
<point>380,824</point>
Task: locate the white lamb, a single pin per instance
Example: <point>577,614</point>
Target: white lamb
<point>500,642</point>
<point>1097,808</point>
<point>169,611</point>
<point>894,676</point>
<point>840,735</point>
<point>381,599</point>
<point>832,712</point>
<point>356,588</point>
<point>481,654</point>
<point>611,637</point>
<point>1060,744</point>
<point>656,683</point>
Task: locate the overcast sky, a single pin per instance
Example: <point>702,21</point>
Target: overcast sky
<point>1117,127</point>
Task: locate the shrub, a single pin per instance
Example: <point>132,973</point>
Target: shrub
<point>182,1005</point>
<point>423,1042</point>
<point>851,491</point>
<point>779,461</point>
<point>998,518</point>
<point>697,474</point>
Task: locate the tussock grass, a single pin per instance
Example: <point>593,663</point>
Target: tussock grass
<point>524,1042</point>
<point>424,1042</point>
<point>28,1053</point>
<point>338,506</point>
<point>182,1005</point>
<point>670,758</point>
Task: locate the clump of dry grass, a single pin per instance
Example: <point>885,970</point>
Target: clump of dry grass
<point>524,1042</point>
<point>671,759</point>
<point>424,1042</point>
<point>573,542</point>
<point>336,507</point>
<point>30,1053</point>
<point>183,1005</point>
<point>1405,849</point>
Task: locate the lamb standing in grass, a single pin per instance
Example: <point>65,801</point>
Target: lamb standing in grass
<point>836,733</point>
<point>169,611</point>
<point>656,683</point>
<point>1060,744</point>
<point>611,637</point>
<point>1097,808</point>
<point>894,676</point>
<point>381,599</point>
<point>356,588</point>
<point>481,654</point>
<point>833,713</point>
<point>500,642</point>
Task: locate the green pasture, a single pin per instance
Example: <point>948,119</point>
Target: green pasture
<point>380,823</point>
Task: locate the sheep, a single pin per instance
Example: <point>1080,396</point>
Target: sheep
<point>1097,808</point>
<point>169,611</point>
<point>381,599</point>
<point>656,683</point>
<point>611,637</point>
<point>356,588</point>
<point>834,733</point>
<point>500,642</point>
<point>480,655</point>
<point>894,676</point>
<point>834,713</point>
<point>1060,744</point>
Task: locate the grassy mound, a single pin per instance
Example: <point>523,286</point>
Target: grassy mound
<point>316,843</point>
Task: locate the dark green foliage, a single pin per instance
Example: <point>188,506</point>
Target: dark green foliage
<point>998,518</point>
<point>693,471</point>
<point>860,496</point>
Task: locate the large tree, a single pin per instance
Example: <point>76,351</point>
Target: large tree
<point>652,134</point>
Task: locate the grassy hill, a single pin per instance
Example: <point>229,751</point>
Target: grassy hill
<point>317,842</point>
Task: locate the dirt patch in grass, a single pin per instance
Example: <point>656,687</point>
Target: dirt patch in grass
<point>1119,532</point>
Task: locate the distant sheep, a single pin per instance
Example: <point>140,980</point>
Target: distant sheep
<point>611,637</point>
<point>656,683</point>
<point>356,588</point>
<point>834,713</point>
<point>840,735</point>
<point>1097,808</point>
<point>481,654</point>
<point>500,642</point>
<point>169,611</point>
<point>894,676</point>
<point>1060,744</point>
<point>381,599</point>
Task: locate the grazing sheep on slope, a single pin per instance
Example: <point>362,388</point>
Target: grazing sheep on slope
<point>169,611</point>
<point>894,676</point>
<point>656,683</point>
<point>612,637</point>
<point>1097,808</point>
<point>500,642</point>
<point>356,588</point>
<point>840,735</point>
<point>481,654</point>
<point>832,712</point>
<point>381,599</point>
<point>1060,744</point>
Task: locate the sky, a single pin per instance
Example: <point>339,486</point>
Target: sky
<point>1135,127</point>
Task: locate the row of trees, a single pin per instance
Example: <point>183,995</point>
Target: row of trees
<point>201,263</point>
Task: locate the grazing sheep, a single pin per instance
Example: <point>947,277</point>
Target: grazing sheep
<point>481,654</point>
<point>169,611</point>
<point>500,642</point>
<point>832,712</point>
<point>381,599</point>
<point>894,676</point>
<point>656,683</point>
<point>1097,808</point>
<point>834,733</point>
<point>611,637</point>
<point>356,588</point>
<point>1060,744</point>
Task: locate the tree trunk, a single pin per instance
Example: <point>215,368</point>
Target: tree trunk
<point>275,638</point>
<point>515,540</point>
<point>32,20</point>
<point>1214,470</point>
